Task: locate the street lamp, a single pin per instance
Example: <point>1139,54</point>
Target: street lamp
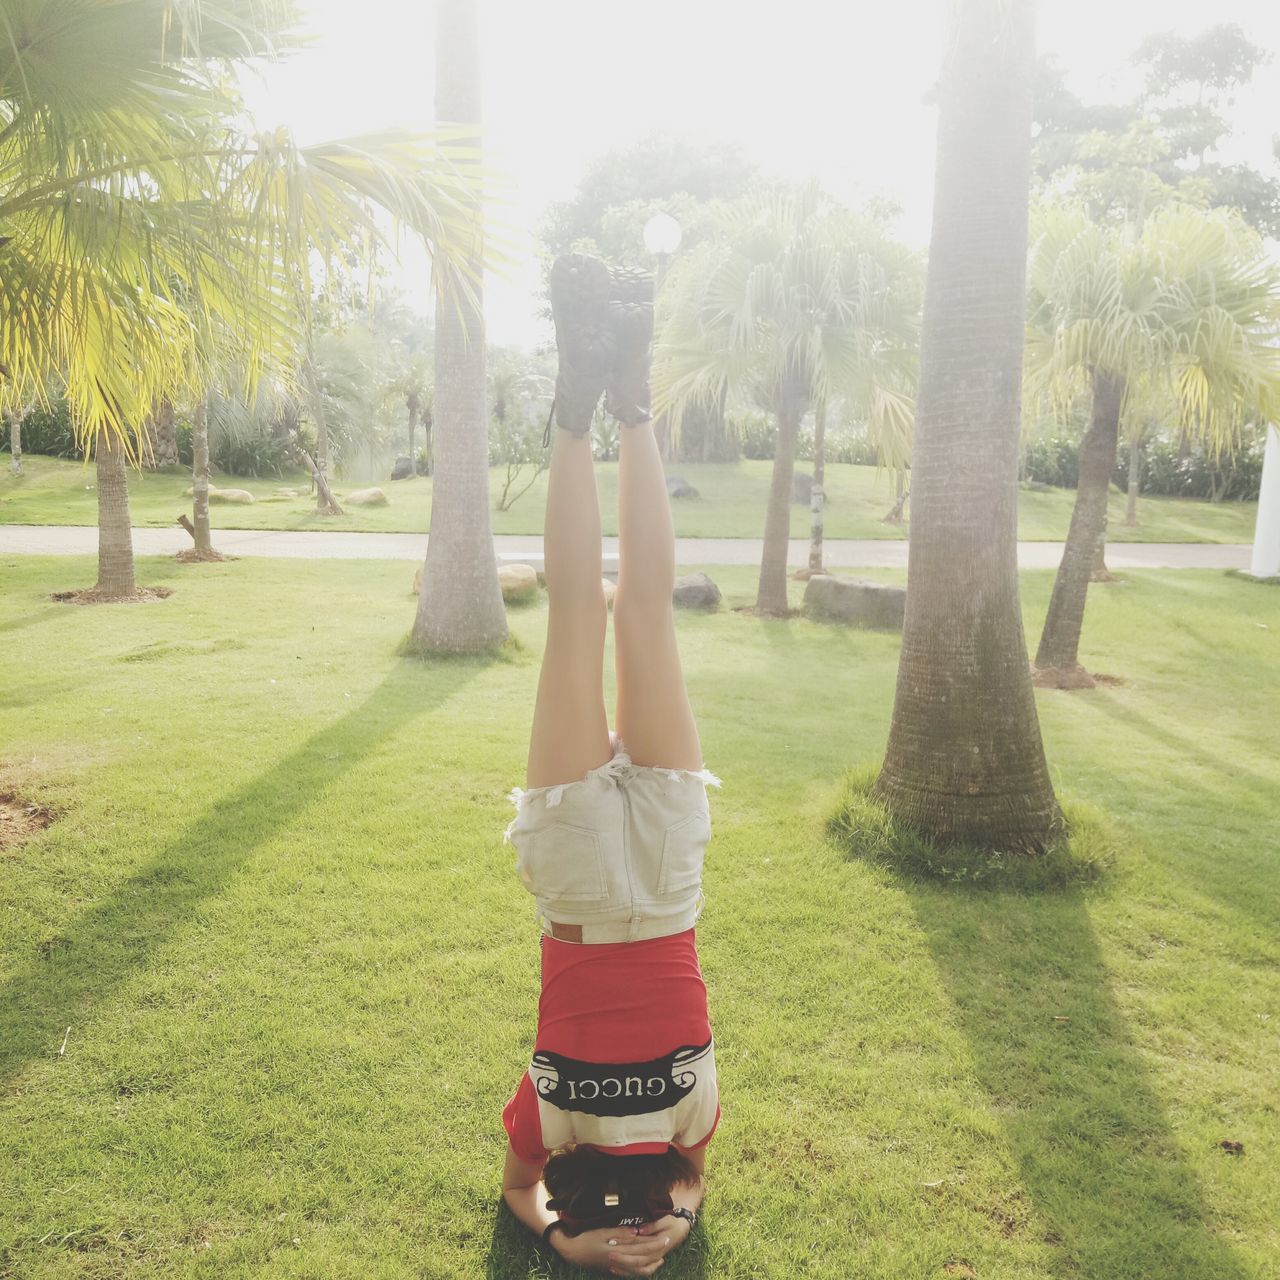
<point>662,235</point>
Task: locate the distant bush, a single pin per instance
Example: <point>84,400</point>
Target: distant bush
<point>1053,458</point>
<point>845,442</point>
<point>255,455</point>
<point>48,431</point>
<point>1198,474</point>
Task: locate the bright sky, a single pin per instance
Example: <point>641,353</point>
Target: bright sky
<point>806,87</point>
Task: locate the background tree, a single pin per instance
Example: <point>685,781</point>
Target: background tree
<point>965,760</point>
<point>1188,306</point>
<point>460,608</point>
<point>794,300</point>
<point>521,387</point>
<point>625,186</point>
<point>1125,160</point>
<point>138,213</point>
<point>619,192</point>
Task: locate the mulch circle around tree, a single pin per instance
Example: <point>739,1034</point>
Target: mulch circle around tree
<point>90,595</point>
<point>1071,678</point>
<point>20,819</point>
<point>192,556</point>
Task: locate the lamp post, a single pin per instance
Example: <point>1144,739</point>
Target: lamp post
<point>662,235</point>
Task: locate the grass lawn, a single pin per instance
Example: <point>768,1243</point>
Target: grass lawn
<point>731,505</point>
<point>296,976</point>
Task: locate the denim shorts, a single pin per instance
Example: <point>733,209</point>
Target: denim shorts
<point>618,852</point>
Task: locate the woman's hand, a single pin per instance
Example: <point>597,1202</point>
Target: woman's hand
<point>620,1251</point>
<point>670,1231</point>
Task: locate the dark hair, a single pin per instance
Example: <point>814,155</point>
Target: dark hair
<point>580,1176</point>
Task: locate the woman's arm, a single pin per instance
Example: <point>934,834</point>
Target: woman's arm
<point>671,1231</point>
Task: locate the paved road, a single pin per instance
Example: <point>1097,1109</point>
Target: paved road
<point>839,553</point>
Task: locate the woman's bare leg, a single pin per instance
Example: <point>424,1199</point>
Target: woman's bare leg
<point>653,717</point>
<point>570,727</point>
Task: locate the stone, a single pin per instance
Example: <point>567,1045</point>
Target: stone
<point>801,487</point>
<point>241,497</point>
<point>696,591</point>
<point>519,582</point>
<point>679,487</point>
<point>366,498</point>
<point>863,604</point>
<point>190,491</point>
<point>610,590</point>
<point>402,469</point>
<point>288,493</point>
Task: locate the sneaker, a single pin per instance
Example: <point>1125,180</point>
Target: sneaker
<point>585,340</point>
<point>631,315</point>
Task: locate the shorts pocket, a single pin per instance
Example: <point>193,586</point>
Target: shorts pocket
<point>683,848</point>
<point>564,863</point>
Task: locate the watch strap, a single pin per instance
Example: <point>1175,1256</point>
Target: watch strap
<point>549,1228</point>
<point>687,1214</point>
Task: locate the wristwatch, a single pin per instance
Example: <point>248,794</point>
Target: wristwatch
<point>687,1214</point>
<point>548,1229</point>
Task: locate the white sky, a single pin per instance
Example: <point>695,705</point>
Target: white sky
<point>825,88</point>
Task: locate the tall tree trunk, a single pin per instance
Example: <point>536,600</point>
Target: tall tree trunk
<point>116,580</point>
<point>965,759</point>
<point>1135,479</point>
<point>1060,639</point>
<point>200,477</point>
<point>15,440</point>
<point>771,595</point>
<point>460,608</point>
<point>818,500</point>
<point>413,426</point>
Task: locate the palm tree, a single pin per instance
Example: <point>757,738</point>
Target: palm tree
<point>460,607</point>
<point>965,760</point>
<point>1185,307</point>
<point>138,215</point>
<point>794,300</point>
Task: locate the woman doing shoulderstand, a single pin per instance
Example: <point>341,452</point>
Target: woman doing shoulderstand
<point>609,1125</point>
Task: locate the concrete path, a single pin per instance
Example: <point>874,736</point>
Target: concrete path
<point>839,553</point>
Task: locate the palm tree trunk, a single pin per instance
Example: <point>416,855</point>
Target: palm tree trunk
<point>15,440</point>
<point>819,497</point>
<point>460,608</point>
<point>1135,480</point>
<point>1060,639</point>
<point>161,444</point>
<point>167,436</point>
<point>116,580</point>
<point>413,424</point>
<point>965,761</point>
<point>200,477</point>
<point>771,595</point>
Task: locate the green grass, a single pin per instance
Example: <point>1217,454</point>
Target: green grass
<point>731,505</point>
<point>300,975</point>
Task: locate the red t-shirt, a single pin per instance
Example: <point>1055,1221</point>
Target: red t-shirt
<point>624,1058</point>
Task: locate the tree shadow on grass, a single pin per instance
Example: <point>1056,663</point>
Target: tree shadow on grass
<point>120,932</point>
<point>1251,887</point>
<point>515,1255</point>
<point>1112,1197</point>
